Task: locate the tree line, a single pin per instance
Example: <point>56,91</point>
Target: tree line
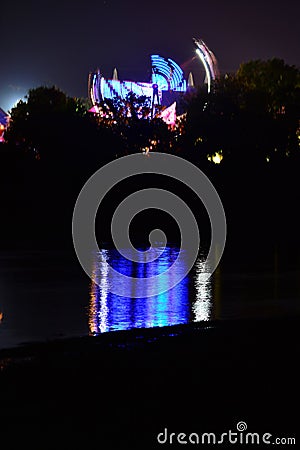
<point>251,116</point>
<point>249,123</point>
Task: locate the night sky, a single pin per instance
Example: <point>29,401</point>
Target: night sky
<point>58,42</point>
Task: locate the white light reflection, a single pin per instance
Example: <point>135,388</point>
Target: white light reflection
<point>98,310</point>
<point>202,307</point>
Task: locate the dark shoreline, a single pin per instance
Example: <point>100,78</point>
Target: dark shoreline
<point>120,389</point>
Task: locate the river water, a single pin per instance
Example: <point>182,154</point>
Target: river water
<point>46,295</point>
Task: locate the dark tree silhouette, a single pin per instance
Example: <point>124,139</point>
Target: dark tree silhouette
<point>252,115</point>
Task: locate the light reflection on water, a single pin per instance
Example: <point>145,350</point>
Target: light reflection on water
<point>46,295</point>
<point>202,307</point>
<point>109,312</point>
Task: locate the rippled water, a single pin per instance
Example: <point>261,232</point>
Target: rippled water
<point>46,295</point>
<point>108,311</point>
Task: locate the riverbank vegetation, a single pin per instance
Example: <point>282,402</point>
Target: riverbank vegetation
<point>244,135</point>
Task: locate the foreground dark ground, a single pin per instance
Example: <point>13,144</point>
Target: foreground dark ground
<point>121,389</point>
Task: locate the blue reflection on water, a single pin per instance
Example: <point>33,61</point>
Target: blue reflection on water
<point>109,312</point>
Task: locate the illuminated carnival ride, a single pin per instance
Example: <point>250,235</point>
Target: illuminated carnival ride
<point>167,84</point>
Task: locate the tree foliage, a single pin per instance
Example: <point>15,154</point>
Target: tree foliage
<point>130,120</point>
<point>45,120</point>
<point>276,82</point>
<point>252,115</point>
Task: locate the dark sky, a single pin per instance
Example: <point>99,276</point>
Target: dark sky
<point>59,42</point>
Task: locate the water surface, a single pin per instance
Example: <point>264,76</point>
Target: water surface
<point>46,295</point>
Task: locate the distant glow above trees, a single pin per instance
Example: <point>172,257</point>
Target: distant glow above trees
<point>12,101</point>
